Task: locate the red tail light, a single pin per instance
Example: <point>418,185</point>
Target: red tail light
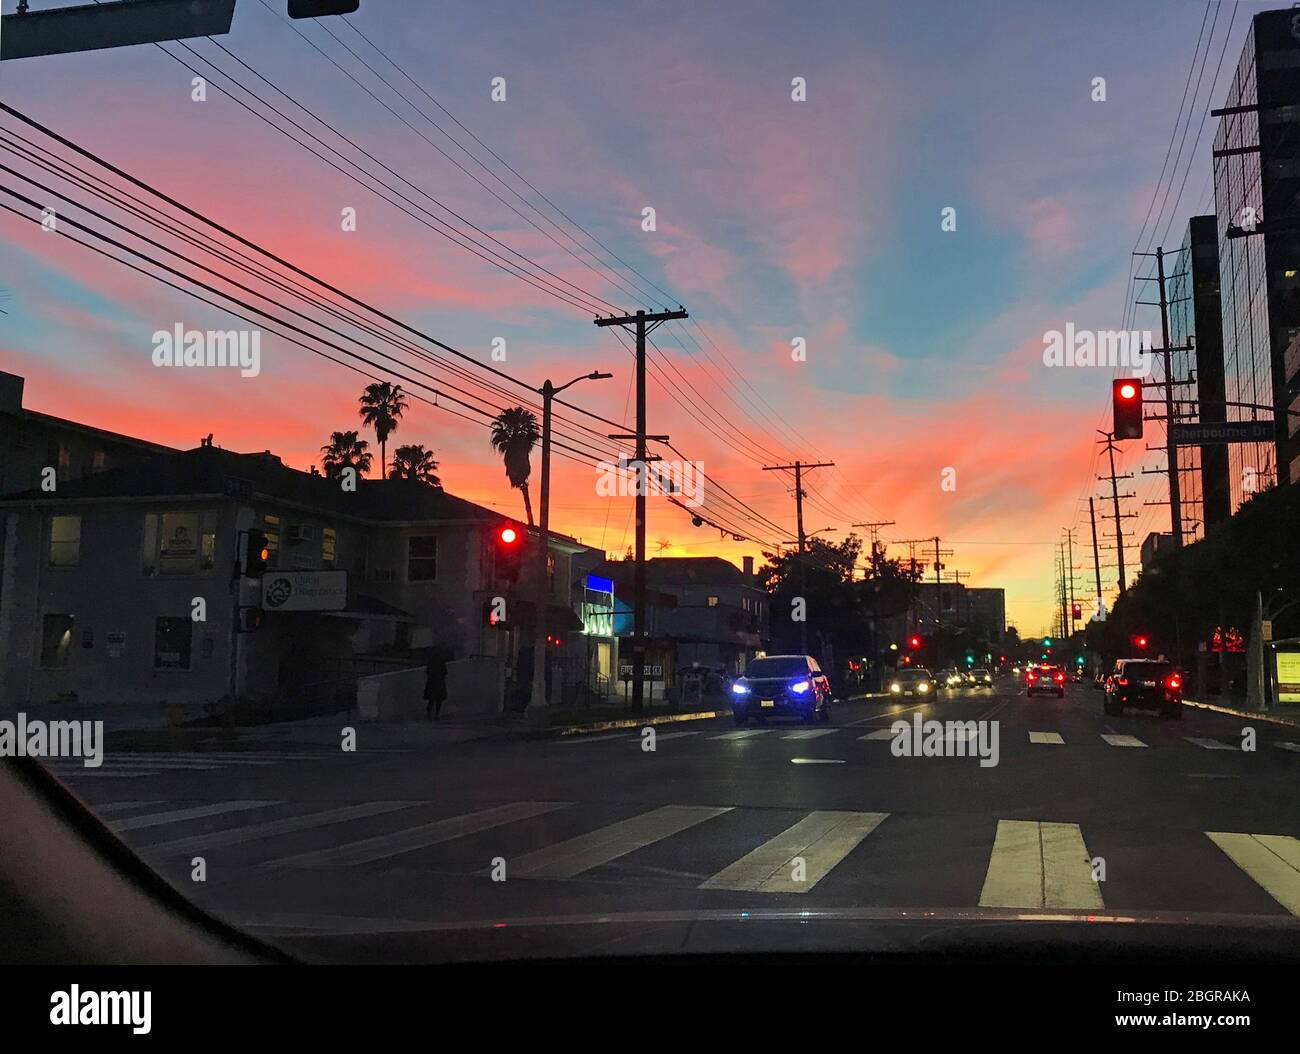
<point>1122,681</point>
<point>1172,682</point>
<point>1031,677</point>
<point>1059,677</point>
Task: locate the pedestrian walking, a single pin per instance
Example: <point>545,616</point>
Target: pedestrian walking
<point>435,685</point>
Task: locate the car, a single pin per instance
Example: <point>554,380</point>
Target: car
<point>781,685</point>
<point>916,681</point>
<point>950,679</point>
<point>1148,684</point>
<point>1045,679</point>
<point>982,678</point>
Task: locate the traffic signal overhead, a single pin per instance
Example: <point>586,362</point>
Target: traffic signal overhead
<point>508,543</point>
<point>257,553</point>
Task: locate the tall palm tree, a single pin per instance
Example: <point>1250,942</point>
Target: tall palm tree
<point>514,434</point>
<point>414,462</point>
<point>381,407</point>
<point>346,450</point>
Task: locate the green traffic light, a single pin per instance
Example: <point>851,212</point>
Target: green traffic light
<point>1047,642</point>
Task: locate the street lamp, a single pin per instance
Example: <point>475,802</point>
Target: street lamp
<point>541,597</point>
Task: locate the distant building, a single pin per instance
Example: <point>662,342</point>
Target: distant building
<point>1256,187</point>
<point>122,590</point>
<point>1196,319</point>
<point>977,608</point>
<point>1154,545</point>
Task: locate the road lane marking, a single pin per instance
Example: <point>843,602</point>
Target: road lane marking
<point>823,839</point>
<point>818,761</point>
<point>381,847</point>
<point>1271,860</point>
<point>272,828</point>
<point>1046,737</point>
<point>1116,740</point>
<point>1039,865</point>
<point>1289,746</point>
<point>120,806</point>
<point>810,733</point>
<point>661,736</point>
<point>882,733</point>
<point>1209,744</point>
<point>743,733</point>
<point>570,858</point>
<point>158,819</point>
<point>592,739</point>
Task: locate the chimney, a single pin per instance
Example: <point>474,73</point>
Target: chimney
<point>748,561</point>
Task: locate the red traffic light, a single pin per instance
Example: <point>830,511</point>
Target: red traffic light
<point>508,535</point>
<point>1126,402</point>
<point>914,642</point>
<point>1141,641</point>
<point>1076,610</point>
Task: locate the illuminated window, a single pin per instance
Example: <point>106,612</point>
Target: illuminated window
<point>712,602</point>
<point>65,541</point>
<point>328,544</point>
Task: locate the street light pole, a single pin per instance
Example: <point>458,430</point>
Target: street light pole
<point>541,591</point>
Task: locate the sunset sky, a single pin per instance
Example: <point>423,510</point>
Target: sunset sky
<point>776,219</point>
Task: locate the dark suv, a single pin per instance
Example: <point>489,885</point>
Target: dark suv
<point>1149,684</point>
<point>781,684</point>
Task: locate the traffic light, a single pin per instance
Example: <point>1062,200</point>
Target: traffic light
<point>318,8</point>
<point>250,619</point>
<point>256,553</point>
<point>1076,610</point>
<point>1126,398</point>
<point>1140,641</point>
<point>914,642</point>
<point>509,552</point>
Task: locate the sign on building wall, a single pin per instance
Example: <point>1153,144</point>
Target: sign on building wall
<point>305,590</point>
<point>1288,676</point>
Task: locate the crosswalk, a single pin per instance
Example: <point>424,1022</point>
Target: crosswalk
<point>137,766</point>
<point>1032,865</point>
<point>886,734</point>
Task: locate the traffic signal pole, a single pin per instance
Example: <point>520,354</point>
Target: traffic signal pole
<point>644,325</point>
<point>1096,558</point>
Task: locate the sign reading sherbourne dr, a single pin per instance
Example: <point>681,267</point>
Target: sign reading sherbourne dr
<point>305,590</point>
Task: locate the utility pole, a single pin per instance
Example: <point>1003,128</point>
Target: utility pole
<point>799,467</point>
<point>1115,496</point>
<point>1096,559</point>
<point>644,324</point>
<point>874,528</point>
<point>1069,541</point>
<point>541,587</point>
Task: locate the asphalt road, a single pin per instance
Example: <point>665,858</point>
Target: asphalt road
<point>1083,816</point>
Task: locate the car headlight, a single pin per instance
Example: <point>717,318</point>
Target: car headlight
<point>740,689</point>
<point>895,687</point>
<point>922,687</point>
<point>799,687</point>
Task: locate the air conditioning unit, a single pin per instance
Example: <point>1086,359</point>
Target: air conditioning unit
<point>301,532</point>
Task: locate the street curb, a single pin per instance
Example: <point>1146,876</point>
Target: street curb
<point>1253,715</point>
<point>632,722</point>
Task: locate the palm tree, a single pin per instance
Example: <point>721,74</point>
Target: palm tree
<point>346,450</point>
<point>381,406</point>
<point>414,462</point>
<point>514,434</point>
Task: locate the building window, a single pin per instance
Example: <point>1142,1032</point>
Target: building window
<point>65,541</point>
<point>58,456</point>
<point>711,602</point>
<point>97,462</point>
<point>56,641</point>
<point>179,543</point>
<point>328,544</point>
<point>421,558</point>
<point>171,643</point>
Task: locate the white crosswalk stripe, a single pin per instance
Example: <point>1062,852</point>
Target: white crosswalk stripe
<point>800,856</point>
<point>1046,737</point>
<point>1294,747</point>
<point>381,847</point>
<point>274,828</point>
<point>198,812</point>
<point>1116,740</point>
<point>661,736</point>
<point>576,855</point>
<point>1209,744</point>
<point>810,733</point>
<point>1039,865</point>
<point>743,733</point>
<point>878,734</point>
<point>1271,860</point>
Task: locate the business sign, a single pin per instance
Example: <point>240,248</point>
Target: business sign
<point>1288,676</point>
<point>652,673</point>
<point>305,590</point>
<point>1218,433</point>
